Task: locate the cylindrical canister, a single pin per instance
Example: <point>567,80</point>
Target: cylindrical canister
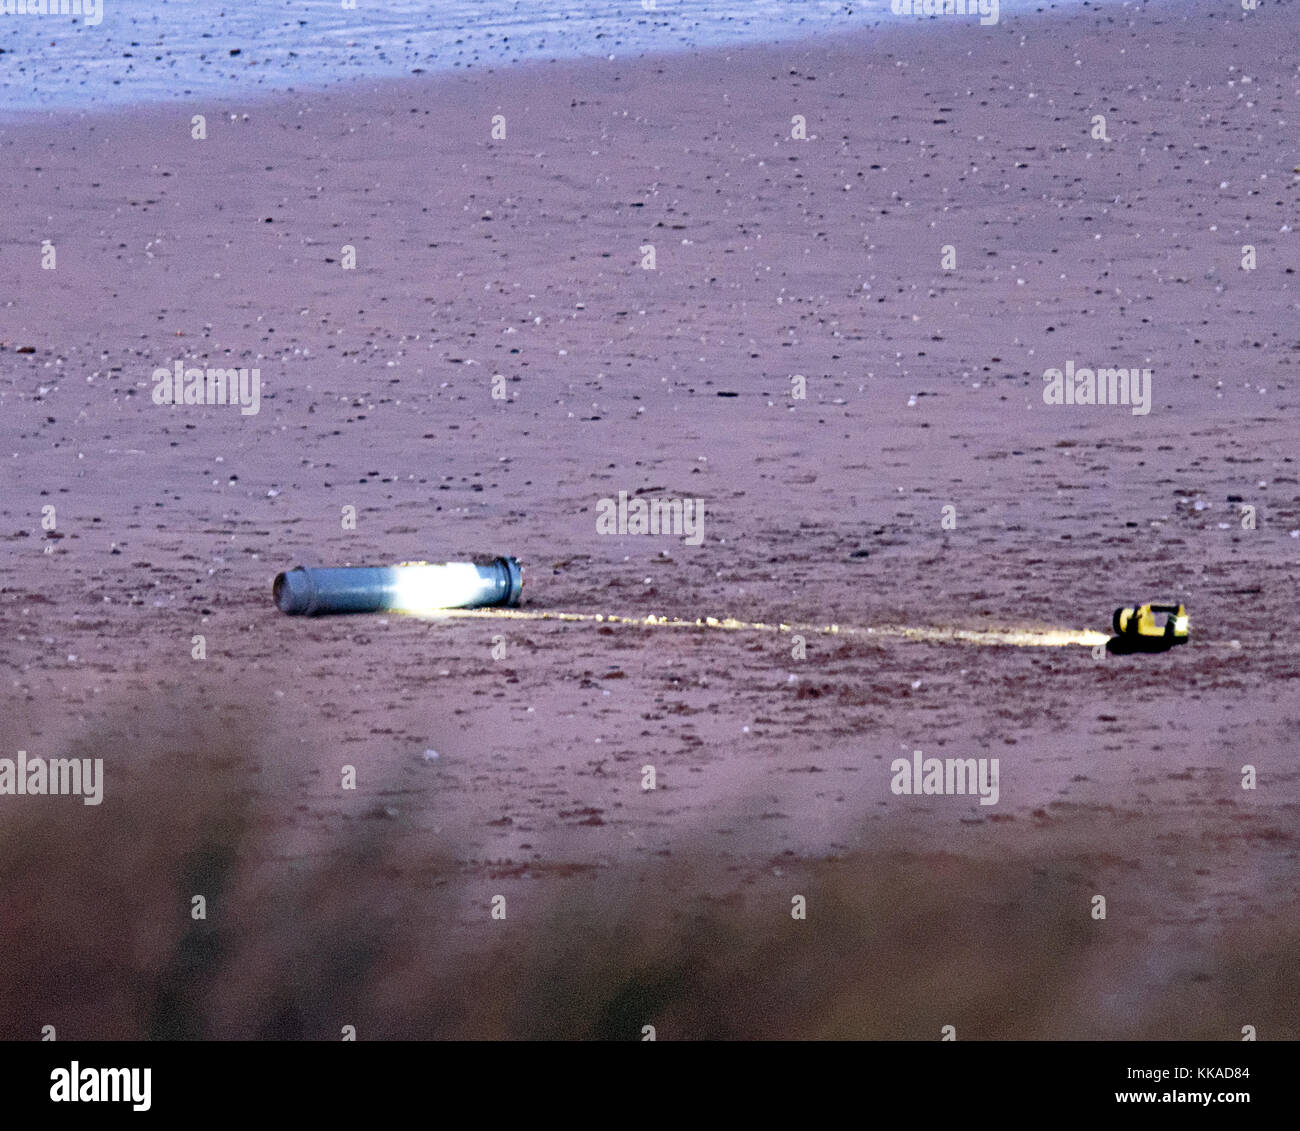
<point>411,587</point>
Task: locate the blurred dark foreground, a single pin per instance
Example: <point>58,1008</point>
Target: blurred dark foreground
<point>98,938</point>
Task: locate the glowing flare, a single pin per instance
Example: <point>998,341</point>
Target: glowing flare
<point>420,588</point>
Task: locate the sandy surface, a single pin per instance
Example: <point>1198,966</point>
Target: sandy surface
<point>775,257</point>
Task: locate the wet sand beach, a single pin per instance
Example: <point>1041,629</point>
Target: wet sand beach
<point>500,360</point>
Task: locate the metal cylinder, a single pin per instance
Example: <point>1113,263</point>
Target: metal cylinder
<point>410,587</point>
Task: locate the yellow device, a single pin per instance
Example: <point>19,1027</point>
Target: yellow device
<point>1139,624</point>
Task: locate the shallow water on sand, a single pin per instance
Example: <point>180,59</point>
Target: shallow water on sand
<point>123,51</point>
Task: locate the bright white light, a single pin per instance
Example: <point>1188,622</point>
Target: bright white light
<point>453,585</point>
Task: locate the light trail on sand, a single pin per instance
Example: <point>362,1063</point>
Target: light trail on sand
<point>1017,638</point>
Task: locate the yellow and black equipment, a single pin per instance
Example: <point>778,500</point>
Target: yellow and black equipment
<point>1139,625</point>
